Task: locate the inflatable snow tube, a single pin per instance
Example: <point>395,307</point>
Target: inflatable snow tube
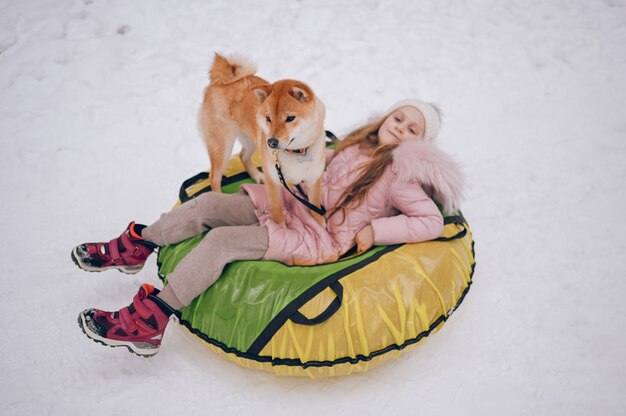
<point>332,319</point>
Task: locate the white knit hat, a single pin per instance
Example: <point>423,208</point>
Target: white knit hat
<point>430,113</point>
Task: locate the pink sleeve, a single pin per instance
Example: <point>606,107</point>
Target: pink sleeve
<point>419,218</point>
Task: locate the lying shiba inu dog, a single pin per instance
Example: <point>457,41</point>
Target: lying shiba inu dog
<point>284,120</point>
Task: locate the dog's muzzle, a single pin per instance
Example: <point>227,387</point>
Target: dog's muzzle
<point>273,143</point>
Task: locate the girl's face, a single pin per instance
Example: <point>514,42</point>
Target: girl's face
<point>405,123</point>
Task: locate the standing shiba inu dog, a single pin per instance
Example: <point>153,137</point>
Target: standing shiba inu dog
<point>284,117</point>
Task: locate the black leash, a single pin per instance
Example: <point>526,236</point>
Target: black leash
<point>333,140</point>
<point>321,210</point>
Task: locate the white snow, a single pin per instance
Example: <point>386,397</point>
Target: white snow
<point>98,103</point>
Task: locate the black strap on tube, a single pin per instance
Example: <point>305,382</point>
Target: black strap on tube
<point>333,307</point>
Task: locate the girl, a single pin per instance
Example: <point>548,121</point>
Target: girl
<point>378,187</point>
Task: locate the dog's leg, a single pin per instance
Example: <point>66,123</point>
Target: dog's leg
<point>247,150</point>
<point>219,142</point>
<point>315,198</point>
<point>274,192</point>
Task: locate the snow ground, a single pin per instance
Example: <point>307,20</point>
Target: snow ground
<point>98,104</point>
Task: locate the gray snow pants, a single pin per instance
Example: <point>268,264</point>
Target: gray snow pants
<point>235,234</point>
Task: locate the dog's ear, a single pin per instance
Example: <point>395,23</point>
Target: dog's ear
<point>301,92</point>
<point>262,91</point>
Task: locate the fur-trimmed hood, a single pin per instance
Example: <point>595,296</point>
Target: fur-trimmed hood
<point>436,171</point>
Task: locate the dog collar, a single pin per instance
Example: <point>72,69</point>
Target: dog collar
<point>302,155</point>
<point>299,151</point>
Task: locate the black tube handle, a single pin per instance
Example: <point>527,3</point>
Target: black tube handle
<point>183,195</point>
<point>334,306</point>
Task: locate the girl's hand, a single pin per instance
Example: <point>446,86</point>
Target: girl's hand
<point>365,239</point>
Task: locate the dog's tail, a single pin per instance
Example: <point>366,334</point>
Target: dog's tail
<point>225,71</point>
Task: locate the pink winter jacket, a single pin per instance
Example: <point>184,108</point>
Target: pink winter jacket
<point>397,206</point>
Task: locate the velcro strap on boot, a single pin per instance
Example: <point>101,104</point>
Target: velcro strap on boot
<point>114,249</point>
<point>128,245</point>
<point>141,309</point>
<point>127,321</point>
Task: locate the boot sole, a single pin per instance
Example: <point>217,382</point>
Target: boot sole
<point>87,268</point>
<point>113,343</point>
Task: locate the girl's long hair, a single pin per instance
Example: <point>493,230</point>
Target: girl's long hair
<point>366,137</point>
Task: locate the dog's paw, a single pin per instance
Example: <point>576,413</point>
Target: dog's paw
<point>281,224</point>
<point>279,219</point>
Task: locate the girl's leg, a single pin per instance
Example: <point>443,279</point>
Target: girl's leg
<point>204,264</point>
<point>129,252</point>
<point>140,326</point>
<point>126,253</point>
<point>168,296</point>
<point>207,211</point>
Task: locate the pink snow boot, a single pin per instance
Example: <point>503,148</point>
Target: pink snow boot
<point>127,253</point>
<point>138,327</point>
